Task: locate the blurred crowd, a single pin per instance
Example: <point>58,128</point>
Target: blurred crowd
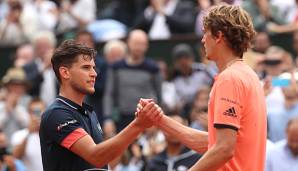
<point>126,73</point>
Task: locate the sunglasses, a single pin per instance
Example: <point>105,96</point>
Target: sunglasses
<point>272,61</point>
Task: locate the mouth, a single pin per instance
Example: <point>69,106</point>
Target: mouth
<point>91,82</point>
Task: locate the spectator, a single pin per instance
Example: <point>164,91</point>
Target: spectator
<point>39,71</point>
<point>283,27</point>
<point>114,51</point>
<point>284,155</point>
<point>76,14</point>
<point>164,18</point>
<point>13,113</point>
<point>273,65</point>
<point>130,79</point>
<point>7,161</point>
<point>199,112</point>
<point>261,42</point>
<point>170,100</point>
<point>25,142</point>
<point>42,15</point>
<point>124,11</point>
<point>262,12</point>
<point>176,156</point>
<point>24,55</point>
<point>12,30</point>
<point>189,77</point>
<point>277,121</point>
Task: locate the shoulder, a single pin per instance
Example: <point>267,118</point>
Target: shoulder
<point>150,65</point>
<point>119,64</point>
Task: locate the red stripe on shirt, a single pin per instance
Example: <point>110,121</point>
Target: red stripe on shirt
<point>73,137</point>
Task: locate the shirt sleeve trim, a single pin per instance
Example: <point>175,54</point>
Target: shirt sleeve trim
<point>220,126</point>
<point>73,137</point>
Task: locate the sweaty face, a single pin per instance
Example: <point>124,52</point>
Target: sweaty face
<point>82,75</point>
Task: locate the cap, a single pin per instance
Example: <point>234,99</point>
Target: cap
<point>182,51</point>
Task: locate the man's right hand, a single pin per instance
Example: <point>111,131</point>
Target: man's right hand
<point>147,109</point>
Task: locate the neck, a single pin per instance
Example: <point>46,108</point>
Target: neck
<point>71,94</point>
<point>224,63</point>
<point>174,149</point>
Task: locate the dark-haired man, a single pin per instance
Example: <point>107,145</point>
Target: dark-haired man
<point>70,134</point>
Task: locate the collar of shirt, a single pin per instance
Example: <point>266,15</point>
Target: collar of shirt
<point>84,109</point>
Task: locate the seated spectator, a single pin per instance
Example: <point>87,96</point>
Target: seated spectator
<point>284,154</point>
<point>164,18</point>
<point>13,110</point>
<point>25,143</point>
<point>7,161</point>
<point>175,156</point>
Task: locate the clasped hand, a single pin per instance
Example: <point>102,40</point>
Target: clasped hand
<point>148,113</point>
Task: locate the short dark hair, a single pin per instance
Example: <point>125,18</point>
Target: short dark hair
<point>66,54</point>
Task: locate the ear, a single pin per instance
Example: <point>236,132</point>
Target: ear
<point>219,37</point>
<point>64,73</point>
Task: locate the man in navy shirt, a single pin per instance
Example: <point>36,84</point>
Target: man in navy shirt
<point>70,134</point>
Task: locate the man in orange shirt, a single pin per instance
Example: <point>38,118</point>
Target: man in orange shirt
<point>237,115</point>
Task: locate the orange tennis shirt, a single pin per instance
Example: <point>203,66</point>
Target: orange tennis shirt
<point>237,101</point>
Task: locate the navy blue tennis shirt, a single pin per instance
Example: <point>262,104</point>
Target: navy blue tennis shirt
<point>62,124</point>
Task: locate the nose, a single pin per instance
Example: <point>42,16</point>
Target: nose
<point>203,39</point>
<point>93,72</point>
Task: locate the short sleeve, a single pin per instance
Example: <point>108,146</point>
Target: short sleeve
<point>228,104</point>
<point>63,128</point>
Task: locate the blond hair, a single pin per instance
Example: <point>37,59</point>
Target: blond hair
<point>235,24</point>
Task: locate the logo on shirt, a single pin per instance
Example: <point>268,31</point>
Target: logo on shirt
<point>99,128</point>
<point>65,124</point>
<point>230,112</point>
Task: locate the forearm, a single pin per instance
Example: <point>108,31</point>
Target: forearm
<point>115,146</point>
<point>212,160</point>
<point>194,139</point>
<point>287,28</point>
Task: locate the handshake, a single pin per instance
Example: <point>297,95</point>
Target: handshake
<point>148,113</point>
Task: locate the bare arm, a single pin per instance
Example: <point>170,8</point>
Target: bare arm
<point>221,152</point>
<point>194,139</point>
<point>101,154</point>
<point>283,28</point>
